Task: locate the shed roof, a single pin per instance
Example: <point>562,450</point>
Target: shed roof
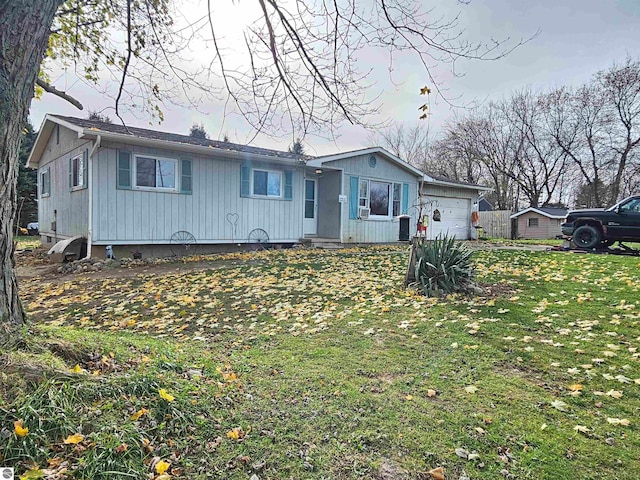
<point>548,212</point>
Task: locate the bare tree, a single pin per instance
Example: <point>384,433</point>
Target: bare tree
<point>301,69</point>
<point>598,127</point>
<point>539,163</point>
<point>411,144</point>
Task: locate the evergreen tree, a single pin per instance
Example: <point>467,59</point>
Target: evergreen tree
<point>27,180</point>
<point>198,131</point>
<point>98,117</point>
<point>297,147</point>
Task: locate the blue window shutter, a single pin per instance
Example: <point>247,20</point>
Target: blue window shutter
<point>405,198</point>
<point>354,186</point>
<point>70,173</point>
<point>245,181</point>
<point>124,171</point>
<point>288,185</point>
<point>85,171</point>
<point>186,182</point>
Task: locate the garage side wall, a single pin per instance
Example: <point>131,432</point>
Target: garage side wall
<point>64,212</point>
<point>375,230</point>
<point>454,206</point>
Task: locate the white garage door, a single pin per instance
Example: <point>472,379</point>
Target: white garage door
<point>451,216</point>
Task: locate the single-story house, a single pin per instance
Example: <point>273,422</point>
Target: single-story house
<point>137,189</point>
<point>539,222</point>
<point>449,206</point>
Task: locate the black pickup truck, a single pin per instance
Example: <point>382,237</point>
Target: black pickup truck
<point>600,228</point>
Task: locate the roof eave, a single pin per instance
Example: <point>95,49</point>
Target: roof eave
<point>43,137</point>
<point>185,147</point>
<point>480,188</point>
<point>539,212</point>
<point>319,161</point>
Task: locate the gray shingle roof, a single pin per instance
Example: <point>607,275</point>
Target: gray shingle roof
<point>176,138</point>
<point>442,178</point>
<point>557,212</point>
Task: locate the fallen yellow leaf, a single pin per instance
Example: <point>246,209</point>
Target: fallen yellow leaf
<point>431,393</point>
<point>236,433</point>
<point>139,413</point>
<point>162,467</point>
<point>19,429</point>
<point>166,396</point>
<point>73,439</point>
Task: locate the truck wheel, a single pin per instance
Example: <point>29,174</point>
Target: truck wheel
<point>586,236</point>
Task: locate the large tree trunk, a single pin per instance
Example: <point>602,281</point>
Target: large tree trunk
<point>24,33</point>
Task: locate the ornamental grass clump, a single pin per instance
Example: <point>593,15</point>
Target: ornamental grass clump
<point>443,266</point>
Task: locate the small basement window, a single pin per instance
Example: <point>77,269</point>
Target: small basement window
<point>533,222</point>
<point>155,173</point>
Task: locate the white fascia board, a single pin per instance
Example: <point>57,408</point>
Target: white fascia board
<point>43,137</point>
<point>539,212</point>
<point>319,161</point>
<point>429,181</point>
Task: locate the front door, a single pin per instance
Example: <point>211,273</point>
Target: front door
<point>310,207</point>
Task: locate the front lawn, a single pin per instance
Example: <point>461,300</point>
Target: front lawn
<point>318,364</point>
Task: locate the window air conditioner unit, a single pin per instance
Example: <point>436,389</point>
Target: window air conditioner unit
<point>363,212</point>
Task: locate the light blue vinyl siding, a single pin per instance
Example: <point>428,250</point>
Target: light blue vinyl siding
<point>355,230</point>
<point>72,207</point>
<point>136,216</point>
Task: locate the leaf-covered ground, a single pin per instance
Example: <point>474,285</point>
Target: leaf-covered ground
<point>318,364</point>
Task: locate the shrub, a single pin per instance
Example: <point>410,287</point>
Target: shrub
<point>443,266</point>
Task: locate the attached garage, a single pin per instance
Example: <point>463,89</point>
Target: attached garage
<point>448,207</point>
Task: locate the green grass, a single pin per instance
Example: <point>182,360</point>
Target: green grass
<point>526,241</point>
<point>27,242</point>
<point>328,366</point>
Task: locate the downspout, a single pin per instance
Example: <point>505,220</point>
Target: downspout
<point>95,147</point>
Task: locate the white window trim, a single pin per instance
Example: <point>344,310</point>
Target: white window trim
<point>389,215</point>
<point>278,172</point>
<point>134,174</point>
<point>80,159</point>
<point>44,171</point>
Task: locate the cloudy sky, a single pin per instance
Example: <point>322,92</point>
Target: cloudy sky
<point>576,38</point>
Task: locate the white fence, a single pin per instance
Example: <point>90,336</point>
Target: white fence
<point>495,224</point>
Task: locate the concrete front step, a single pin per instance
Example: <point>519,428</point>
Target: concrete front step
<point>319,242</point>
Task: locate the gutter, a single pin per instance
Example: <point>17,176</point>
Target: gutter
<point>177,146</point>
<point>96,145</point>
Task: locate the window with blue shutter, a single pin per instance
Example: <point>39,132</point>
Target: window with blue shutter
<point>405,198</point>
<point>186,182</point>
<point>245,181</point>
<point>288,185</point>
<point>353,197</point>
<point>124,171</point>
